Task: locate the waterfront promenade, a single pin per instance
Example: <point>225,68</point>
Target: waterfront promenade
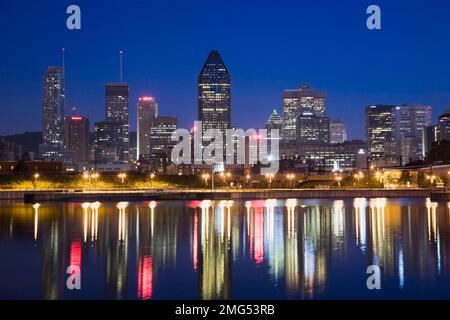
<point>32,196</point>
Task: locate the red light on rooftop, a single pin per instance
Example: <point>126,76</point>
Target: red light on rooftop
<point>76,118</point>
<point>146,98</point>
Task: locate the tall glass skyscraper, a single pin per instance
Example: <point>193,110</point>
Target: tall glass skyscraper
<point>53,114</point>
<point>117,113</point>
<point>147,109</point>
<point>214,95</point>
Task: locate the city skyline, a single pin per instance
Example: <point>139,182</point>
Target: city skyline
<point>259,75</point>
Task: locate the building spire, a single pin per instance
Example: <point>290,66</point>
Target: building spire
<point>121,65</point>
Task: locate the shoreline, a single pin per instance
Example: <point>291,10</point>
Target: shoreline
<point>32,196</point>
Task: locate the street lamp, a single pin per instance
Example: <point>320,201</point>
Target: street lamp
<point>290,177</point>
<point>270,177</point>
<point>95,176</point>
<point>152,175</point>
<point>36,177</point>
<point>122,177</point>
<point>205,177</point>
<point>431,178</point>
<point>338,178</point>
<point>247,179</point>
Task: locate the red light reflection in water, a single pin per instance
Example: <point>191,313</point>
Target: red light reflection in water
<point>145,278</point>
<point>195,242</point>
<point>259,235</point>
<point>75,253</point>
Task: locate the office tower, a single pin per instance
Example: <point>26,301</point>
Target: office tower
<point>312,129</point>
<point>76,137</point>
<point>274,121</point>
<point>297,102</point>
<point>338,132</point>
<point>395,132</point>
<point>443,126</point>
<point>161,129</point>
<point>117,111</point>
<point>109,141</point>
<point>380,135</point>
<point>214,95</point>
<point>52,114</point>
<point>147,109</point>
<point>411,120</point>
<point>161,145</point>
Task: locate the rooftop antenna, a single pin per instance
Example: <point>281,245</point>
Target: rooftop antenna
<point>74,110</point>
<point>121,65</point>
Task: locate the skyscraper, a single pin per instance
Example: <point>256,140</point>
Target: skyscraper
<point>52,114</point>
<point>395,132</point>
<point>274,121</point>
<point>296,102</point>
<point>76,137</point>
<point>214,95</point>
<point>117,112</point>
<point>338,132</point>
<point>380,135</point>
<point>312,129</point>
<point>147,109</point>
<point>160,142</point>
<point>109,141</point>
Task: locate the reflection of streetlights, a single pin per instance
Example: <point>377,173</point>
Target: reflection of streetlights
<point>122,177</point>
<point>36,177</point>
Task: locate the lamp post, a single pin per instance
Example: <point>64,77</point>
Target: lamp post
<point>270,177</point>
<point>95,176</point>
<point>338,178</point>
<point>36,177</point>
<point>431,178</point>
<point>152,175</point>
<point>205,177</point>
<point>122,177</point>
<point>290,177</point>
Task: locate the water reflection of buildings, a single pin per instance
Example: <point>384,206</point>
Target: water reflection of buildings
<point>294,245</point>
<point>215,239</point>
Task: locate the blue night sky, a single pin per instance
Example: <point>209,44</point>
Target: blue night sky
<point>268,46</point>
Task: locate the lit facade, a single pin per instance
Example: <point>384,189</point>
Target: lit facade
<point>53,114</point>
<point>312,129</point>
<point>147,109</point>
<point>297,102</point>
<point>76,137</point>
<point>395,132</point>
<point>338,132</point>
<point>117,111</point>
<point>214,95</point>
<point>274,121</point>
<point>109,141</point>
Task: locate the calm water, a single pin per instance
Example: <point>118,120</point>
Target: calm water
<point>263,249</point>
